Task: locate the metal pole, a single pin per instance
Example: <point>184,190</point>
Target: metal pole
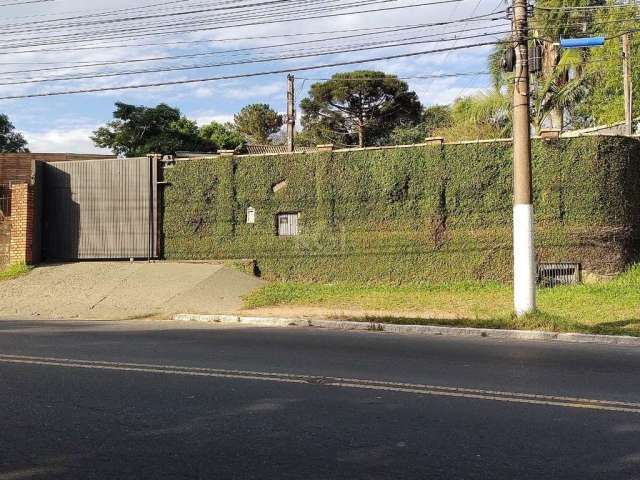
<point>291,113</point>
<point>524,269</point>
<point>628,86</point>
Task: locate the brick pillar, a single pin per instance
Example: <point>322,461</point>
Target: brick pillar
<point>22,223</point>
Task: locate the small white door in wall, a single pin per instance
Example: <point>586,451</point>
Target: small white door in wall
<point>288,224</point>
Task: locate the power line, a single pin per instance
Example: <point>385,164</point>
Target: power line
<point>446,56</point>
<point>247,49</point>
<point>254,10</point>
<point>246,75</point>
<point>479,18</point>
<point>91,13</point>
<point>143,29</point>
<point>292,18</point>
<point>221,6</point>
<point>26,2</point>
<point>413,77</point>
<point>372,46</point>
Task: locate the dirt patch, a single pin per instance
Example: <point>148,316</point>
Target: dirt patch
<point>324,312</point>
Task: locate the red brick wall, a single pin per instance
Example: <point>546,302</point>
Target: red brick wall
<point>22,223</point>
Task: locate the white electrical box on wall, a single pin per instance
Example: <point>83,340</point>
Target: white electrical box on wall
<point>251,215</point>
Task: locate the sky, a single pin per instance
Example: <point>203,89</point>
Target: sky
<point>63,35</point>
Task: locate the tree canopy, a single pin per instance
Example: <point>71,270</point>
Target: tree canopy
<point>137,131</point>
<point>361,107</point>
<point>602,73</point>
<point>576,88</point>
<point>258,122</point>
<point>434,118</point>
<point>222,137</point>
<point>10,140</point>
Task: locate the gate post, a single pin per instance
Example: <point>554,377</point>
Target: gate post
<point>22,225</point>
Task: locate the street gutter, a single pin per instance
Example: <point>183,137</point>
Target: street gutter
<point>411,329</point>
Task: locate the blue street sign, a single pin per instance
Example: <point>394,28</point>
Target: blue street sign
<point>582,42</point>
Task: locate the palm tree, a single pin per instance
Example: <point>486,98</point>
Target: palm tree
<point>558,89</point>
<point>561,84</point>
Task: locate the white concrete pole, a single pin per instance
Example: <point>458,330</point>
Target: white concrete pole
<point>524,265</point>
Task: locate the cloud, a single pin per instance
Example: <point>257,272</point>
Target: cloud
<point>264,91</point>
<point>74,140</point>
<point>218,90</point>
<point>205,117</point>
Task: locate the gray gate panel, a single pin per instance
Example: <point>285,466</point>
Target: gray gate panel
<point>101,209</point>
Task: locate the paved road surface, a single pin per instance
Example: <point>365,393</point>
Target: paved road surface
<point>142,400</point>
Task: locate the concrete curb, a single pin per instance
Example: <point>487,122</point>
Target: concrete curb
<point>412,329</point>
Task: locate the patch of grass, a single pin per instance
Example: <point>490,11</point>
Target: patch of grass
<point>611,307</point>
<point>535,321</point>
<point>14,271</point>
<point>465,299</point>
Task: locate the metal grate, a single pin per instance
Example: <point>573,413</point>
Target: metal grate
<point>5,199</point>
<point>554,274</point>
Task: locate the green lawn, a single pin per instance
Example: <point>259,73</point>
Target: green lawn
<point>611,307</point>
<point>13,271</point>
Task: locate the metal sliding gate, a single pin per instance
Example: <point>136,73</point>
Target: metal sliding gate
<point>100,209</point>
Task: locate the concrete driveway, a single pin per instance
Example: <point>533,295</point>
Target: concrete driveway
<point>122,290</point>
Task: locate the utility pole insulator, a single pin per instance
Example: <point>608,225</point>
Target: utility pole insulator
<point>524,265</point>
<point>291,113</point>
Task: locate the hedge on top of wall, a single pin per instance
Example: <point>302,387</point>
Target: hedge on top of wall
<point>424,213</point>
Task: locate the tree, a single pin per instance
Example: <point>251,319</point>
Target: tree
<point>561,87</point>
<point>363,106</point>
<point>138,131</point>
<point>10,140</point>
<point>222,137</point>
<point>604,103</point>
<point>407,135</point>
<point>483,115</point>
<point>258,122</point>
<point>436,117</point>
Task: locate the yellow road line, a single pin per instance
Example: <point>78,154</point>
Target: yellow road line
<point>324,379</point>
<point>446,391</point>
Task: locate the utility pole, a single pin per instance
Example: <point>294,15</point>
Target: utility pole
<point>628,86</point>
<point>291,113</point>
<point>524,268</point>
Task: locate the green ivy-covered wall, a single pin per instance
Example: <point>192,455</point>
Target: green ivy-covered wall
<point>418,214</point>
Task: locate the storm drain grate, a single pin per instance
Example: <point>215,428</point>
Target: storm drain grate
<point>554,274</point>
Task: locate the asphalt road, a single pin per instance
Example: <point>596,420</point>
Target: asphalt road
<point>143,400</point>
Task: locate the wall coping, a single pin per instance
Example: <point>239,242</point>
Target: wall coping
<point>429,143</point>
